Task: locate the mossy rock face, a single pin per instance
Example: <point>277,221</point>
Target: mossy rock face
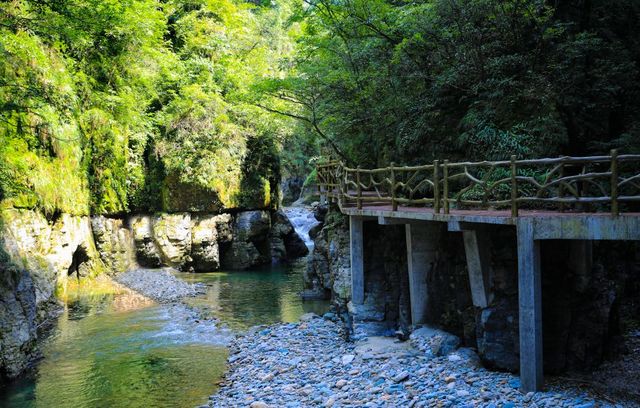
<point>178,196</point>
<point>205,253</point>
<point>114,242</point>
<point>172,234</point>
<point>50,250</point>
<point>147,252</point>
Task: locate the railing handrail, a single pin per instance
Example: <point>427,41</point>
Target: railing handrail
<point>567,180</point>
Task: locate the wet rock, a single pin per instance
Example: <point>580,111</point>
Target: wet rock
<point>320,212</point>
<point>315,231</point>
<point>295,246</point>
<point>285,242</point>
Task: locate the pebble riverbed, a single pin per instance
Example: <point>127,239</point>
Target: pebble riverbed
<point>309,364</point>
<point>159,284</point>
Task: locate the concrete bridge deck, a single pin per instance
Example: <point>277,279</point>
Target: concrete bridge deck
<point>426,199</point>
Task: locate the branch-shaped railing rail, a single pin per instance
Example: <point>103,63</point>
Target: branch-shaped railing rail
<point>586,184</point>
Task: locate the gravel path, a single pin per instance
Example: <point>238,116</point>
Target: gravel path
<point>308,364</point>
<point>159,284</point>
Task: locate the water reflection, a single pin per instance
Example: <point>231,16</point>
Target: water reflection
<point>114,348</point>
<point>265,296</point>
<point>105,354</point>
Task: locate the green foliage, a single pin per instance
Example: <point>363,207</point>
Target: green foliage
<point>410,81</point>
<point>110,107</point>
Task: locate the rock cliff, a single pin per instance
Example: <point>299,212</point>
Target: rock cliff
<point>39,255</point>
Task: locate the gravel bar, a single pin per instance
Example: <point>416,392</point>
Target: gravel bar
<point>308,364</point>
<point>159,284</point>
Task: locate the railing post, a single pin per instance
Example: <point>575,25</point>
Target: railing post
<point>614,183</point>
<point>359,201</point>
<point>561,187</point>
<point>341,176</point>
<point>445,194</point>
<point>514,187</point>
<point>394,204</point>
<point>436,187</point>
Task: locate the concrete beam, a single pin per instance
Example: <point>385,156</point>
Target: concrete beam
<point>392,221</point>
<point>478,253</point>
<point>588,227</point>
<point>530,307</point>
<point>356,234</point>
<point>422,254</point>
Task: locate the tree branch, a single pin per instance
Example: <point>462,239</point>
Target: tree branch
<point>313,122</point>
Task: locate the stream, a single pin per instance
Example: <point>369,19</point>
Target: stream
<point>122,350</point>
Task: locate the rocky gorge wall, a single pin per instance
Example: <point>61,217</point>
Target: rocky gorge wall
<point>38,256</point>
<point>583,312</point>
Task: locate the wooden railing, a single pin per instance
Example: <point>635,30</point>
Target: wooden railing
<point>586,184</point>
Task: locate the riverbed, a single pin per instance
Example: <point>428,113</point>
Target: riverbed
<point>122,350</point>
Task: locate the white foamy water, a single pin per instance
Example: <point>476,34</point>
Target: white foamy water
<point>303,220</point>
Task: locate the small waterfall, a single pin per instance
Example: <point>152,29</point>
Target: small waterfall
<point>303,220</point>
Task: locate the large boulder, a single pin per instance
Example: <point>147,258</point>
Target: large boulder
<point>147,252</point>
<point>320,212</point>
<point>114,242</point>
<point>497,335</point>
<point>286,244</point>
<point>205,254</point>
<point>252,226</point>
<point>172,233</point>
<point>295,246</point>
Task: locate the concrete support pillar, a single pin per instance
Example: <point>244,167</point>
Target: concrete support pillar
<point>422,245</point>
<point>478,253</point>
<point>530,307</point>
<point>356,232</point>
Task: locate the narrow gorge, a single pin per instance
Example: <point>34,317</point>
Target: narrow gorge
<point>320,203</point>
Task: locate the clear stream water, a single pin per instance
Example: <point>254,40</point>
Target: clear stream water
<point>123,351</point>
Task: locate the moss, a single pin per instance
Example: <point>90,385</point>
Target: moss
<point>178,196</point>
<point>94,286</point>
